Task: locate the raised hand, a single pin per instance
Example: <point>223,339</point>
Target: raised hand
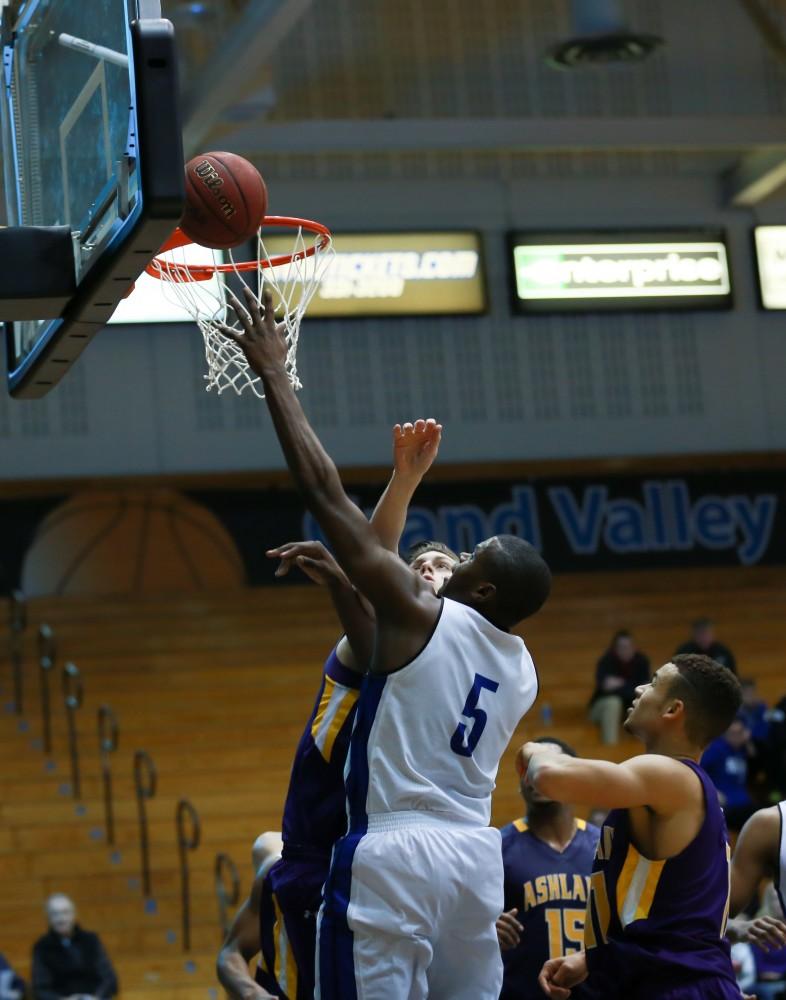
<point>508,930</point>
<point>313,559</point>
<point>262,339</point>
<point>415,447</point>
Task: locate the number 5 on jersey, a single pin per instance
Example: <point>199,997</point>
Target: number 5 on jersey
<point>461,743</point>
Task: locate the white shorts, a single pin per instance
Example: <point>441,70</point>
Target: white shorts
<point>409,912</point>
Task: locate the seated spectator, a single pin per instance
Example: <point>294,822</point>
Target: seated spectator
<point>753,711</point>
<point>69,961</point>
<point>726,762</point>
<point>744,965</point>
<point>702,640</point>
<point>620,670</point>
<point>12,987</point>
<point>776,750</point>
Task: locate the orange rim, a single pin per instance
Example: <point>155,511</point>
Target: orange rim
<point>204,272</point>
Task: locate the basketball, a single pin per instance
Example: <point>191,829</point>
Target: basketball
<point>226,200</point>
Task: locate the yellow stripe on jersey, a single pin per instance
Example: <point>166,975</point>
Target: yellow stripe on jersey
<point>284,968</point>
<point>581,824</point>
<point>520,825</point>
<point>597,902</point>
<point>636,886</point>
<point>347,702</point>
<point>334,706</point>
<point>728,894</point>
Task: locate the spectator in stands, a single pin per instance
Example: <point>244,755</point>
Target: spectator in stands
<point>776,750</point>
<point>744,965</point>
<point>753,712</point>
<point>726,761</point>
<point>70,962</point>
<point>12,987</point>
<point>702,640</point>
<point>620,670</point>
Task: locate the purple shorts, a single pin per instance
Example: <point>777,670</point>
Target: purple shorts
<point>297,888</point>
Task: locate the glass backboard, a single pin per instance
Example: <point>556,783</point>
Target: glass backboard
<point>84,83</point>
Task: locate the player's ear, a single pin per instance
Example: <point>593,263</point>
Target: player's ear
<point>674,709</point>
<point>484,592</point>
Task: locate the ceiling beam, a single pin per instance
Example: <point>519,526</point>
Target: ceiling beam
<point>756,178</point>
<point>235,64</point>
<point>526,135</point>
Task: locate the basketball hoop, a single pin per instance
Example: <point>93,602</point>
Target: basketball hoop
<point>201,289</point>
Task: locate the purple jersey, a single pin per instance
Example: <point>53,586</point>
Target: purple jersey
<point>315,817</point>
<point>315,812</point>
<point>549,889</point>
<point>655,928</point>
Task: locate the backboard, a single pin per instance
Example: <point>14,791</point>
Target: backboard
<point>92,144</point>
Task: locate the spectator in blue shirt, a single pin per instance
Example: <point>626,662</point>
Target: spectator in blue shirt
<point>726,761</point>
<point>754,712</point>
<point>12,987</point>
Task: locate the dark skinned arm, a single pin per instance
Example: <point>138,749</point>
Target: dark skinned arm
<point>242,943</point>
<point>415,446</point>
<point>755,859</point>
<point>356,616</point>
<point>405,606</point>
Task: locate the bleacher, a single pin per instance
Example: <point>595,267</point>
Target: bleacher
<point>216,689</point>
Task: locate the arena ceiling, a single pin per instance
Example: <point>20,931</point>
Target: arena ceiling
<point>339,78</point>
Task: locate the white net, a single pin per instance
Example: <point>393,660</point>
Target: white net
<point>293,285</point>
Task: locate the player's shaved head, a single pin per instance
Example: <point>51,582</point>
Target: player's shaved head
<point>505,578</point>
<point>710,693</point>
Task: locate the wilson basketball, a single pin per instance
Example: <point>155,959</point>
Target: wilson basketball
<point>226,200</point>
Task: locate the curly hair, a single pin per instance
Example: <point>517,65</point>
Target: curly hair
<point>711,694</point>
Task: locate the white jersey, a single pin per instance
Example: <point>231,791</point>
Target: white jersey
<point>428,737</point>
<point>780,874</point>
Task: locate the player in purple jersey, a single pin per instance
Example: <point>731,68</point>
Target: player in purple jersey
<point>659,896</point>
<point>547,857</point>
<point>760,853</point>
<point>251,932</point>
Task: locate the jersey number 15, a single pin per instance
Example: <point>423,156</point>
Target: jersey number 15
<point>461,742</point>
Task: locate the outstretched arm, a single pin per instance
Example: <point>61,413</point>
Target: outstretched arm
<point>649,780</point>
<point>240,946</point>
<point>415,447</point>
<point>406,607</point>
<point>356,616</point>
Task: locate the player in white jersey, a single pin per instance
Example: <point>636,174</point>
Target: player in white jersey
<point>760,852</point>
<point>417,884</point>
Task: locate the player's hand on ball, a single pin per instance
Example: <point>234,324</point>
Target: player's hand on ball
<point>415,447</point>
<point>508,930</point>
<point>559,975</point>
<point>313,559</point>
<point>261,338</point>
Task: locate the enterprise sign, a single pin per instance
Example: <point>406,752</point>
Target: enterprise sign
<point>398,274</point>
<point>771,258</point>
<point>621,271</point>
